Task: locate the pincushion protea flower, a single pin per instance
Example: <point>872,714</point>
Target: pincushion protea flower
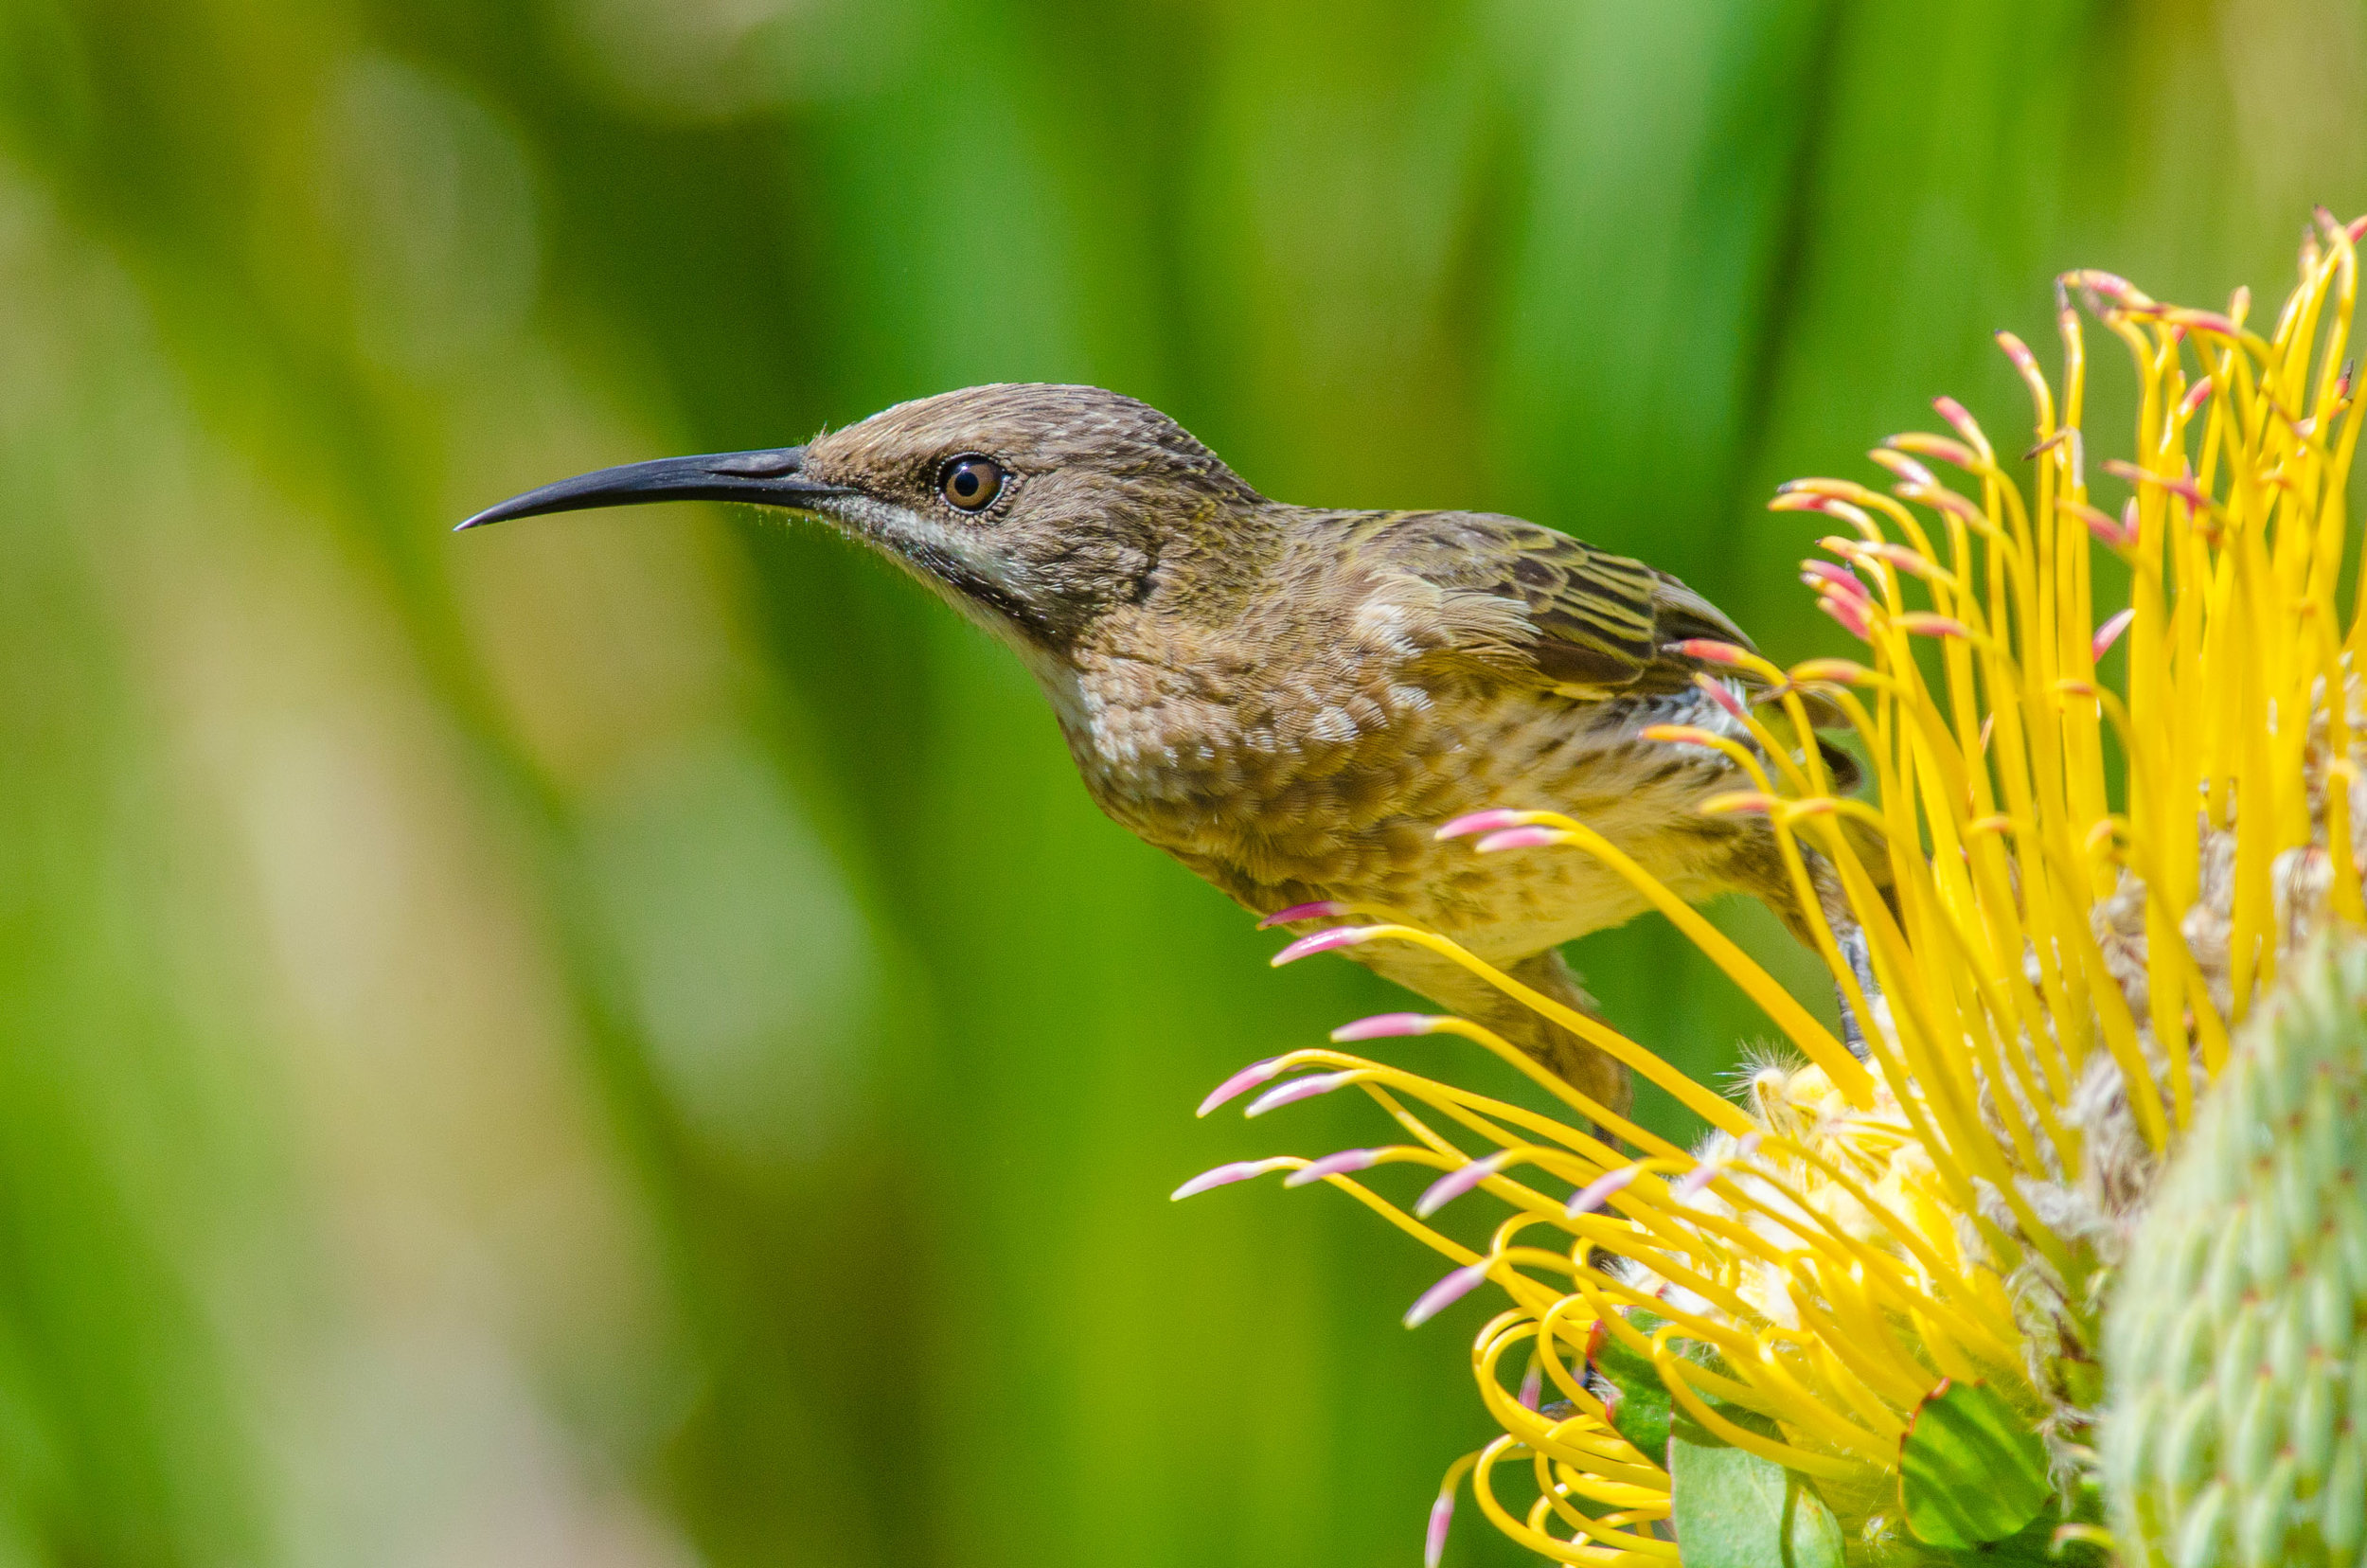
<point>1881,1279</point>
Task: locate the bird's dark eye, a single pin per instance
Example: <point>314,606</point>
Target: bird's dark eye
<point>971,484</point>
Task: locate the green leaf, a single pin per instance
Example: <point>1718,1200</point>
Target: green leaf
<point>1734,1509</point>
<point>1639,1403</point>
<point>1970,1471</point>
<point>1642,1410</point>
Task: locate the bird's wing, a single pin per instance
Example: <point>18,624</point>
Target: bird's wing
<point>1529,604</point>
<point>1533,604</point>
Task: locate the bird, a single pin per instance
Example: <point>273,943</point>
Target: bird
<point>1291,700</point>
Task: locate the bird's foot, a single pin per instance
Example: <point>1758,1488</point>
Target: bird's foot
<point>1853,947</point>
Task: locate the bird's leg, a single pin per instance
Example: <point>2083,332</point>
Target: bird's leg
<point>1853,948</point>
<point>1584,1068</point>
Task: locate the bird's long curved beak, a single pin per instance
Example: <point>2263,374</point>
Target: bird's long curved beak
<point>769,478</point>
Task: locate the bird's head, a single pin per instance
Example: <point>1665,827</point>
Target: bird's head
<point>1035,509</point>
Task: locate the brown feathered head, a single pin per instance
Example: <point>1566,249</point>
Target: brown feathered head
<point>1032,507</point>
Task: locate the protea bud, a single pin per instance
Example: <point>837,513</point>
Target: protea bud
<point>2234,1351</point>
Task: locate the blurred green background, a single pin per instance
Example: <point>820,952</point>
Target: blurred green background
<point>619,1040</point>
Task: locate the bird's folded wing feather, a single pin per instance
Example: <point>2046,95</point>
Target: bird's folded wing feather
<point>1534,605</point>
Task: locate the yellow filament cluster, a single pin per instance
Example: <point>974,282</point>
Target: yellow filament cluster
<point>1850,1236</point>
<point>1822,1262</point>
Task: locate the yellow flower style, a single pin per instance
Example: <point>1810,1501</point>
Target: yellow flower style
<point>2065,891</point>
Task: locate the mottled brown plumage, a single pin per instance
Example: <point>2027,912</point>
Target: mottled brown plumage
<point>1290,699</point>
